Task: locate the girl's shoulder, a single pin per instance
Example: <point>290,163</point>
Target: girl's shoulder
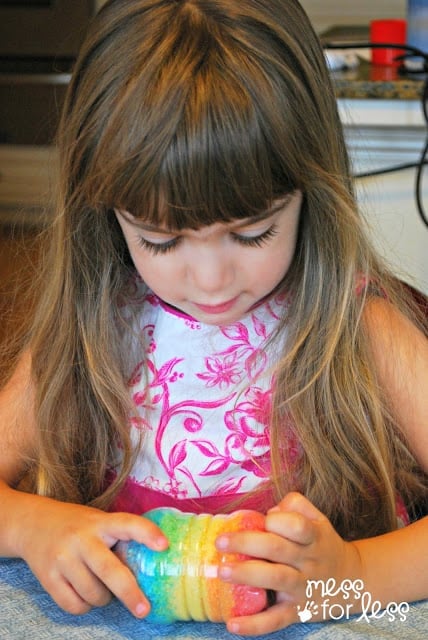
<point>400,358</point>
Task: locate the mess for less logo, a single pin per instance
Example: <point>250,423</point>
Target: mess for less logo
<point>329,590</point>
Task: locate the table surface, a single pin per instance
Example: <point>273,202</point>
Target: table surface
<point>27,611</point>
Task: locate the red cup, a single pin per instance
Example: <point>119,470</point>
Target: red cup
<point>387,31</point>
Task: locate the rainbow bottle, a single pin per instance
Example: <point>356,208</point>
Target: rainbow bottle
<point>181,582</point>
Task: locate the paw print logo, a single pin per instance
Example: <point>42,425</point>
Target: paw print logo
<point>308,612</point>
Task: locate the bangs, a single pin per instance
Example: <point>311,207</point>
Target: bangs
<point>202,147</point>
<point>217,167</point>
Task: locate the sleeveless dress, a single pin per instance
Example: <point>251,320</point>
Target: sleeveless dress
<point>204,411</point>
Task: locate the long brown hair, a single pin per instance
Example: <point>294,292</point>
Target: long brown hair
<point>189,112</point>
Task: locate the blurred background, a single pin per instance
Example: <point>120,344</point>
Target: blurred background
<point>380,108</point>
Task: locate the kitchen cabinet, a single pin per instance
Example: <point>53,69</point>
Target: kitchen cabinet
<point>28,175</point>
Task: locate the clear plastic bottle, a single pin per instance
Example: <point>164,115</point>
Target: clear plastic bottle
<point>181,583</point>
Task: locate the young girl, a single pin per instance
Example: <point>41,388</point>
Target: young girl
<point>214,330</point>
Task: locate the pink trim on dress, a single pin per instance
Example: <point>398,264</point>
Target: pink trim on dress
<point>137,499</point>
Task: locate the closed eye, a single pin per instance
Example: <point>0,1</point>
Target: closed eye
<point>159,248</point>
<point>256,241</point>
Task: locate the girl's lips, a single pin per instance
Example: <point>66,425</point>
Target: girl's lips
<point>217,308</point>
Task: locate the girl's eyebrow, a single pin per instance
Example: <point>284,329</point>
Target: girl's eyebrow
<point>236,224</point>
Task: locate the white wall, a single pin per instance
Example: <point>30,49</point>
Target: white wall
<point>324,13</point>
<point>388,200</point>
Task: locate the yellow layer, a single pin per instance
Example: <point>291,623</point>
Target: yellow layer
<point>194,553</point>
<point>213,590</point>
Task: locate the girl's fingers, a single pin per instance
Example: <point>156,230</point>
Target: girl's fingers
<point>273,619</point>
<point>87,586</point>
<point>294,526</point>
<point>266,545</point>
<point>126,526</point>
<point>66,597</point>
<point>78,583</point>
<point>295,501</point>
<point>265,575</point>
<point>118,579</point>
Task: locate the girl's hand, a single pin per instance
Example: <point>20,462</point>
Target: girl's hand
<point>68,548</point>
<point>299,544</point>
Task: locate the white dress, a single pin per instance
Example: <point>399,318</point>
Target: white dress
<point>206,404</point>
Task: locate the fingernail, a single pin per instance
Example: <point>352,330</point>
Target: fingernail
<point>225,572</point>
<point>161,543</point>
<point>141,609</point>
<point>233,627</point>
<point>222,542</point>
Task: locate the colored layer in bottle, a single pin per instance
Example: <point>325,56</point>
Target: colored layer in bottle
<point>181,583</point>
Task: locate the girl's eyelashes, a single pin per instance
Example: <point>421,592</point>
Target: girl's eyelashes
<point>256,241</point>
<point>157,248</point>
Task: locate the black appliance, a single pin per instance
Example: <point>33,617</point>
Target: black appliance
<point>39,42</point>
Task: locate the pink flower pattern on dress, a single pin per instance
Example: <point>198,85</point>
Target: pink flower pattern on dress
<point>206,405</point>
<point>205,401</point>
<point>221,371</point>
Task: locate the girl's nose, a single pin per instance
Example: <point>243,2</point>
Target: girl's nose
<point>211,272</point>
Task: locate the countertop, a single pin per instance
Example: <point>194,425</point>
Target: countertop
<point>377,82</point>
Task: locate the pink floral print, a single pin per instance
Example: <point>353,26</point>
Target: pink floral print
<point>205,406</point>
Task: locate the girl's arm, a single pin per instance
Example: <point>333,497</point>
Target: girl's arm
<point>301,545</point>
<point>67,546</point>
<point>313,570</point>
<point>396,564</point>
<point>401,361</point>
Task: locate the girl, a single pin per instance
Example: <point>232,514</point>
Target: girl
<point>214,329</point>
